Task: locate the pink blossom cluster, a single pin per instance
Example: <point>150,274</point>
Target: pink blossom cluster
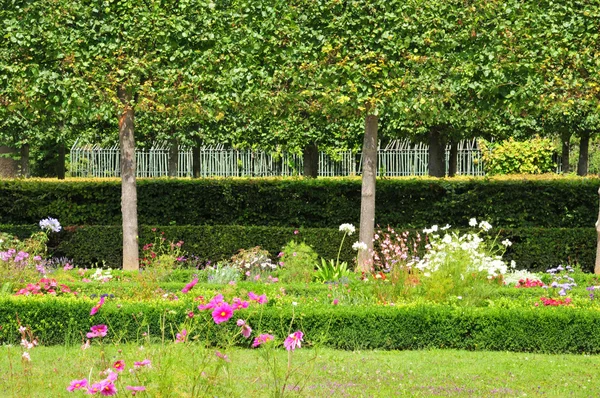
<point>97,331</point>
<point>222,311</point>
<point>107,386</point>
<point>526,283</point>
<point>45,286</point>
<point>554,302</point>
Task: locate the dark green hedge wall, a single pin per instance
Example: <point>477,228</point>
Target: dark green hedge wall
<point>536,249</point>
<point>325,203</point>
<point>545,330</point>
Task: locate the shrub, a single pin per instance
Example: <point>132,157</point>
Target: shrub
<point>297,262</point>
<point>518,157</point>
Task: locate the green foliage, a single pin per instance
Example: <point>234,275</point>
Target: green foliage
<point>565,202</point>
<point>223,273</point>
<point>518,157</point>
<point>298,262</point>
<point>332,271</point>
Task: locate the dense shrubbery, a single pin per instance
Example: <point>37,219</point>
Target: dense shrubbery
<point>407,202</point>
<point>518,157</point>
<point>548,330</point>
<point>535,249</point>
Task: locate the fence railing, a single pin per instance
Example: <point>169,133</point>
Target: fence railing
<point>401,158</point>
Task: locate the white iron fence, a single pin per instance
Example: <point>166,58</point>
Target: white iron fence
<point>400,158</point>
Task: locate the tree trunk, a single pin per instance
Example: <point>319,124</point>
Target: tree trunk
<point>566,147</point>
<point>196,158</point>
<point>597,264</point>
<point>367,200</point>
<point>60,167</point>
<point>9,167</point>
<point>584,146</point>
<point>128,184</point>
<point>173,158</point>
<point>25,161</point>
<point>310,157</point>
<point>436,165</point>
<point>453,162</point>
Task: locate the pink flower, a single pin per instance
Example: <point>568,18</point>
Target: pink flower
<point>189,286</point>
<point>119,365</point>
<point>77,385</point>
<point>108,389</point>
<point>335,301</point>
<point>135,389</point>
<point>145,362</point>
<point>296,232</point>
<point>257,277</point>
<point>252,296</point>
<point>261,339</point>
<point>222,313</point>
<point>191,314</point>
<point>240,322</point>
<point>218,299</point>
<point>222,356</point>
<point>239,303</point>
<point>180,337</point>
<point>95,388</point>
<point>246,331</point>
<point>97,331</point>
<point>262,299</point>
<point>293,341</point>
<point>95,309</point>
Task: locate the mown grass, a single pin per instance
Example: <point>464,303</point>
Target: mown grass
<point>184,370</point>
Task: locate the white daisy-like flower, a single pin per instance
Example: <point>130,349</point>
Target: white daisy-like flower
<point>506,242</point>
<point>359,246</point>
<point>347,228</point>
<point>486,226</point>
<point>473,222</point>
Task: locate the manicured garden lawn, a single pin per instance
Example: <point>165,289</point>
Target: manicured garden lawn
<point>178,368</point>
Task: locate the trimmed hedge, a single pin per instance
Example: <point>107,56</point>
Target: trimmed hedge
<point>535,249</point>
<point>544,330</point>
<point>558,202</point>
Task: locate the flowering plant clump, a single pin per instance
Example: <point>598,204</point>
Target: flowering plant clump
<point>561,279</point>
<point>525,283</point>
<point>469,249</point>
<point>554,302</point>
<point>514,276</point>
<point>253,261</point>
<point>45,286</point>
<point>391,249</point>
<point>348,229</point>
<point>162,254</point>
<point>102,275</point>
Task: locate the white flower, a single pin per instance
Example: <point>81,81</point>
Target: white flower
<point>486,226</point>
<point>50,224</point>
<point>473,222</point>
<point>294,303</point>
<point>347,228</point>
<point>447,226</point>
<point>513,264</point>
<point>359,246</point>
<point>26,356</point>
<point>459,297</point>
<point>506,242</point>
<point>434,228</point>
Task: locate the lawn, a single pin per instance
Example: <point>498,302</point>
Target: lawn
<point>186,370</point>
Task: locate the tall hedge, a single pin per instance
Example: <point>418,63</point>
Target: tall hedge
<point>320,203</point>
<point>535,249</point>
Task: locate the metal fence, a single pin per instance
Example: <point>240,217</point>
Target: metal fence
<point>399,158</point>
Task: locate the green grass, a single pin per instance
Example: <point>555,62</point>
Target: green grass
<point>178,368</point>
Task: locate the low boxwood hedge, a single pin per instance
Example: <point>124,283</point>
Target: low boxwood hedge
<point>539,329</point>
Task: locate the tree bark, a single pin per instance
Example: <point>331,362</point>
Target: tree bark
<point>367,200</point>
<point>564,156</point>
<point>128,184</point>
<point>597,264</point>
<point>9,167</point>
<point>24,161</point>
<point>436,165</point>
<point>173,158</point>
<point>310,157</point>
<point>60,167</point>
<point>453,162</point>
<point>584,147</point>
<point>196,158</point>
